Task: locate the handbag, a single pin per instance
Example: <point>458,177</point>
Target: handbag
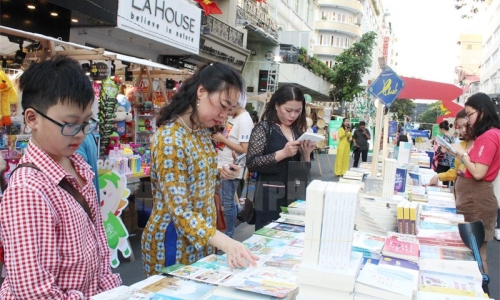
<point>221,219</point>
<point>248,210</point>
<point>299,173</point>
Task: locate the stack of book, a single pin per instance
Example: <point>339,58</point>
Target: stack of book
<point>294,213</point>
<point>353,176</point>
<point>377,215</point>
<point>389,178</point>
<point>407,213</point>
<point>370,245</point>
<point>329,267</point>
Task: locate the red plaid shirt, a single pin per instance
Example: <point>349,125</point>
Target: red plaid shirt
<point>52,248</point>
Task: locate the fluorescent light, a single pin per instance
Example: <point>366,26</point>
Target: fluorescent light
<point>31,6</point>
<point>74,20</point>
<point>54,14</point>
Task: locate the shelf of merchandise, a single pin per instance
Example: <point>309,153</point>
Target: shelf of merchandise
<point>142,136</point>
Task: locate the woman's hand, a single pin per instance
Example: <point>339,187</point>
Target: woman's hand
<point>459,150</point>
<point>218,137</point>
<point>230,174</point>
<point>306,147</point>
<point>434,180</point>
<point>239,256</point>
<point>291,148</point>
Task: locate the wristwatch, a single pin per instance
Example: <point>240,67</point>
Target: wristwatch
<point>465,154</point>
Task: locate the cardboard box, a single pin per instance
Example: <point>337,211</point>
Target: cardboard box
<point>129,215</point>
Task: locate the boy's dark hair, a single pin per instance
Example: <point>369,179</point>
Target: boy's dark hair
<point>281,96</point>
<point>486,117</point>
<point>59,80</point>
<point>215,77</point>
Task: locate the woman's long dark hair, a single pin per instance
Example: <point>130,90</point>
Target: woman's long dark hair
<point>486,117</point>
<point>214,77</point>
<point>281,96</point>
<point>342,125</point>
<point>445,125</point>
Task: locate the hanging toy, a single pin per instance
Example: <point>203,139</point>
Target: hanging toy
<point>107,105</point>
<point>8,96</point>
<point>123,115</point>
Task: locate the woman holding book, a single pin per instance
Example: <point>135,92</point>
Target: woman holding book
<point>182,225</point>
<point>466,142</point>
<point>474,193</point>
<point>344,148</point>
<point>272,146</point>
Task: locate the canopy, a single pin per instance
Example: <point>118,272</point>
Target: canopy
<point>432,90</point>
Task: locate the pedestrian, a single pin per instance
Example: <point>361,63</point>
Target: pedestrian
<point>442,161</point>
<point>88,150</point>
<point>53,236</point>
<point>344,137</point>
<point>360,139</point>
<point>475,197</point>
<point>182,225</point>
<point>235,139</point>
<point>272,146</point>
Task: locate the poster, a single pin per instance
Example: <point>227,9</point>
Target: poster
<point>393,129</point>
<point>114,198</point>
<point>333,127</point>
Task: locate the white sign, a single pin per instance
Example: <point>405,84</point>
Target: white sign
<point>175,23</point>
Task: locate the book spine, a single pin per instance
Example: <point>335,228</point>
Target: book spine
<point>332,224</point>
<point>406,217</point>
<point>400,216</point>
<point>325,230</point>
<point>312,199</point>
<point>351,204</point>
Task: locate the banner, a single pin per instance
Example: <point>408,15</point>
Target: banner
<point>333,127</point>
<point>393,129</point>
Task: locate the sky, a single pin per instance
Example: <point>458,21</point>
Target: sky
<point>427,32</point>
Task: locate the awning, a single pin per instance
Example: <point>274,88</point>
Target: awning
<point>432,90</point>
<point>57,42</point>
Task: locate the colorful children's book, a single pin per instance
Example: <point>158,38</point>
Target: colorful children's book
<point>448,253</point>
<point>174,288</point>
<point>369,244</point>
<point>278,234</point>
<point>286,227</point>
<point>400,249</point>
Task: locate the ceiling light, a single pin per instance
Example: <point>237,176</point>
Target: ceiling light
<point>31,6</point>
<point>54,14</point>
<point>74,20</point>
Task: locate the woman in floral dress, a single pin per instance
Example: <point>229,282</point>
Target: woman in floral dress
<point>182,225</point>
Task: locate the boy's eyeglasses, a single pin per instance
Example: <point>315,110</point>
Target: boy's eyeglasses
<point>72,129</point>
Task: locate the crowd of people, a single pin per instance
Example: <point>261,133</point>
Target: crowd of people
<point>54,243</point>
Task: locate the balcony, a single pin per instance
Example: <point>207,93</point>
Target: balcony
<point>262,28</point>
<point>308,82</point>
<point>328,50</point>
<point>350,5</point>
<point>350,29</point>
<point>222,30</point>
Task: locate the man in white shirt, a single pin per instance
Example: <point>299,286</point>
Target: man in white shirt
<point>235,138</point>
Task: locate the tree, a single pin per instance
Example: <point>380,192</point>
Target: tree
<point>432,113</point>
<point>469,7</point>
<point>349,68</point>
<point>402,108</point>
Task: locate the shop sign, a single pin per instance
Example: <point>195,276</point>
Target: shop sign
<point>174,23</point>
<point>269,56</point>
<point>216,52</point>
<point>385,48</point>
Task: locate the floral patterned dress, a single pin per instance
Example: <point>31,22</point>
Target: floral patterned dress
<point>183,218</point>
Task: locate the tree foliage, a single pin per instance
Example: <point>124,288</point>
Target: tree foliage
<point>350,67</point>
<point>402,108</point>
<point>469,7</point>
<point>432,113</point>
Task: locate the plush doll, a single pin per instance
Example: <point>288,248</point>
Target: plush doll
<point>8,96</point>
<point>123,115</point>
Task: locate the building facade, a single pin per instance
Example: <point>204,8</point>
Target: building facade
<point>490,65</point>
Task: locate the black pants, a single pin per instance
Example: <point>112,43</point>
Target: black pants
<point>364,157</point>
<point>442,169</point>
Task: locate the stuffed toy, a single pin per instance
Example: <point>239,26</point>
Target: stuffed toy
<point>123,115</point>
<point>8,96</point>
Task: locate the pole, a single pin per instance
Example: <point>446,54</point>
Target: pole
<point>386,145</point>
<point>376,143</point>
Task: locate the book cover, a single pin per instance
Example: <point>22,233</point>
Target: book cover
<point>414,207</point>
<point>401,249</point>
<point>439,296</point>
<point>398,262</point>
<point>446,253</point>
<point>427,207</point>
<point>400,181</point>
<point>415,178</point>
<point>400,208</point>
<point>369,244</point>
<point>459,267</point>
<point>449,284</point>
<point>175,288</point>
<point>382,278</point>
<point>277,234</point>
<point>286,227</point>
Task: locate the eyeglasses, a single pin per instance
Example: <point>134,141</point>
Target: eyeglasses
<point>467,117</point>
<point>72,129</point>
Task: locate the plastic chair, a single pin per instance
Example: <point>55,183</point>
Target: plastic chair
<point>472,235</point>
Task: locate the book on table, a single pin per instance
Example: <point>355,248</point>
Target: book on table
<point>315,194</point>
<point>439,296</point>
<point>446,253</point>
<point>469,268</point>
<point>175,288</point>
<point>369,244</point>
<point>386,282</point>
<point>401,249</point>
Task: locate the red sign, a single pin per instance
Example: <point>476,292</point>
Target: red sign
<point>385,48</point>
